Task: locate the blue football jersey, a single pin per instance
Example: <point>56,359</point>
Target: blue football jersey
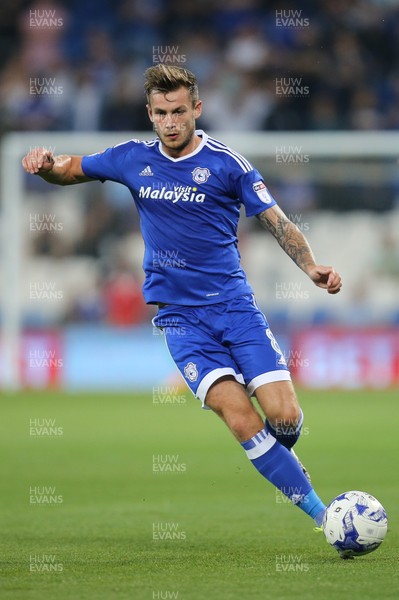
<point>189,209</point>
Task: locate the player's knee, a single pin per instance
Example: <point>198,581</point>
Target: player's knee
<point>245,425</point>
<point>288,415</point>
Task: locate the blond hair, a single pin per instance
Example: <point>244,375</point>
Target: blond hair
<point>169,78</point>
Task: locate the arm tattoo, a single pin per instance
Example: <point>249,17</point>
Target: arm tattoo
<point>290,238</point>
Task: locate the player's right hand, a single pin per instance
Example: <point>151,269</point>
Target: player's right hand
<point>38,160</point>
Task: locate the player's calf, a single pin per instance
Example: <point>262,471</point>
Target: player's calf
<point>286,430</point>
<point>284,415</point>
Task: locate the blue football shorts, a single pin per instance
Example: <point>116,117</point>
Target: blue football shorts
<point>227,338</point>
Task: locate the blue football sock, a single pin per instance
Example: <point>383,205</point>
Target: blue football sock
<point>313,506</point>
<point>278,466</point>
<point>287,435</point>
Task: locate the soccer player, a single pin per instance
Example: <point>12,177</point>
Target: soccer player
<point>188,188</point>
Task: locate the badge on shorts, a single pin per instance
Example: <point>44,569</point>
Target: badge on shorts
<point>262,192</point>
<point>190,371</point>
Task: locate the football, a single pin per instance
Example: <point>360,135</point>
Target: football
<point>355,523</point>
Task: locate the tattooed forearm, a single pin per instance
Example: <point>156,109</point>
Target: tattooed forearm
<point>290,238</point>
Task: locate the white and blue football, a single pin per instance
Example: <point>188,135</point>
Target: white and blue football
<point>355,523</point>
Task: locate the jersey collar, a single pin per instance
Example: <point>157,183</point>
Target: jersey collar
<point>204,140</point>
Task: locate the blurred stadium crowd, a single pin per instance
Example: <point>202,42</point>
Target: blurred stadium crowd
<point>78,66</point>
<point>345,52</point>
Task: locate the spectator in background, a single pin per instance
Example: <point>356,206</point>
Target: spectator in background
<point>123,299</point>
<point>364,112</point>
<point>323,114</point>
<point>239,99</point>
<point>199,48</point>
<point>123,108</point>
<point>240,93</point>
<point>87,105</point>
<point>247,49</point>
<point>138,28</point>
<point>100,226</point>
<point>42,26</point>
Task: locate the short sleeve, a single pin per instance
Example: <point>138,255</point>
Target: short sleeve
<point>108,164</point>
<point>253,193</point>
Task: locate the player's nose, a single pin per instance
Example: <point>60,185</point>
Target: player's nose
<point>170,121</point>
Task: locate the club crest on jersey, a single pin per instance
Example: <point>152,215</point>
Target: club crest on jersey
<point>190,371</point>
<point>201,174</point>
<point>262,192</point>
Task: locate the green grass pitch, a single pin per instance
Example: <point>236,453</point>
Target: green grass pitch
<point>106,522</point>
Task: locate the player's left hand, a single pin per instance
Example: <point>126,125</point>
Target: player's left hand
<point>326,278</point>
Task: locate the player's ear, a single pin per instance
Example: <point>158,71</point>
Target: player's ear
<point>149,110</point>
<point>198,109</point>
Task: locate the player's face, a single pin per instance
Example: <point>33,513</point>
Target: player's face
<point>173,116</point>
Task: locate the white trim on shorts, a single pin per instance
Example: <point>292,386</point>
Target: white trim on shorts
<point>213,376</point>
<point>270,377</point>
